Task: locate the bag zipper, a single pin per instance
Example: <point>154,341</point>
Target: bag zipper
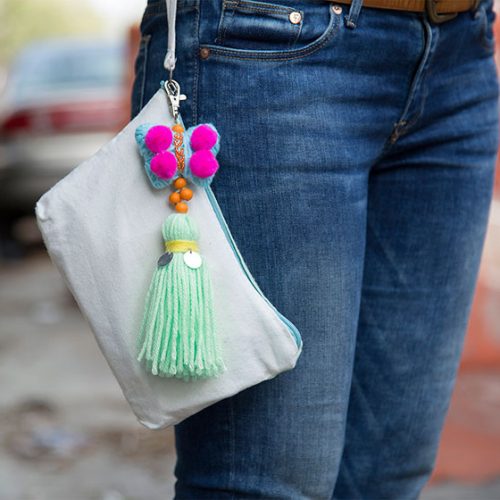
<point>222,221</point>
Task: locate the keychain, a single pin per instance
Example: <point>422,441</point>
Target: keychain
<point>178,334</point>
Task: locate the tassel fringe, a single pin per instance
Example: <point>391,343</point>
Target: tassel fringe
<point>178,337</point>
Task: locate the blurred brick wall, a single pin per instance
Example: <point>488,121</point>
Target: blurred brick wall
<point>482,347</point>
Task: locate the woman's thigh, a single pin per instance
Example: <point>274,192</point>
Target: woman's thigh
<point>303,115</point>
<point>428,205</point>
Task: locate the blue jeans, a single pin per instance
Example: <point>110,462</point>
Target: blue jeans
<point>357,160</point>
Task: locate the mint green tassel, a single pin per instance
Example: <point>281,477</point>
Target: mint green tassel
<point>178,337</point>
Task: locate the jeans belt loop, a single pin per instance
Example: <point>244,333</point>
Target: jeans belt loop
<point>352,17</point>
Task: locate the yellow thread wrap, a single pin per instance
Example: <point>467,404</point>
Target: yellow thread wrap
<point>181,246</point>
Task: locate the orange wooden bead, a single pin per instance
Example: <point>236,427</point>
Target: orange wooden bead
<point>178,128</point>
<point>181,207</point>
<point>179,183</point>
<point>186,193</point>
<point>174,198</point>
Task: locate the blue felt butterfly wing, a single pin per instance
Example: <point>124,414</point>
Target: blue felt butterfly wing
<point>157,149</point>
<point>201,145</point>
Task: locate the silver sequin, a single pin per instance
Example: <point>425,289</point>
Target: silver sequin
<point>192,259</point>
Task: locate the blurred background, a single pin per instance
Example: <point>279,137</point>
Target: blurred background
<point>65,429</point>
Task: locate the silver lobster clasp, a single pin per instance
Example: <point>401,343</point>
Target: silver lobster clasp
<point>173,90</point>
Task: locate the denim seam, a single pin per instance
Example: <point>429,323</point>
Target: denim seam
<point>425,71</point>
<point>224,22</point>
<point>219,34</point>
<point>196,63</point>
<point>235,6</point>
<point>268,9</point>
<point>404,123</point>
<point>276,56</point>
<point>145,39</point>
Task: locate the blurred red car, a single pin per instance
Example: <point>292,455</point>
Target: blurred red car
<point>63,100</point>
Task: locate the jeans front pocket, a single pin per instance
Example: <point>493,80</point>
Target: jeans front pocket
<point>273,32</point>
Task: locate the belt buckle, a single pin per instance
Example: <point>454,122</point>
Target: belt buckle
<point>434,16</point>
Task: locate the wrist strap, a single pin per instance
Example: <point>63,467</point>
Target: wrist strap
<point>170,58</point>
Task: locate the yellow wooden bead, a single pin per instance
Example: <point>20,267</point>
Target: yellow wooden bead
<point>181,207</point>
<point>178,128</point>
<point>179,183</point>
<point>186,193</point>
<point>174,198</point>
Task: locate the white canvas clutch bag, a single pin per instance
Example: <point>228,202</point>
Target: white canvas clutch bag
<point>101,225</point>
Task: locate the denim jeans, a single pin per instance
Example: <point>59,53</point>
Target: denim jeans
<point>357,159</point>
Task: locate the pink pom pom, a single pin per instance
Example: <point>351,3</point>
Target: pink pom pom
<point>164,165</point>
<point>158,138</point>
<point>203,137</point>
<point>203,164</point>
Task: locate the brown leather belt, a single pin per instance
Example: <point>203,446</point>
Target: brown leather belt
<point>437,10</point>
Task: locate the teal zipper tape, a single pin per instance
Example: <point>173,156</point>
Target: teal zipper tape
<point>218,212</point>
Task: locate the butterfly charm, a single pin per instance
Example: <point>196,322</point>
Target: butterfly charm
<point>171,152</point>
